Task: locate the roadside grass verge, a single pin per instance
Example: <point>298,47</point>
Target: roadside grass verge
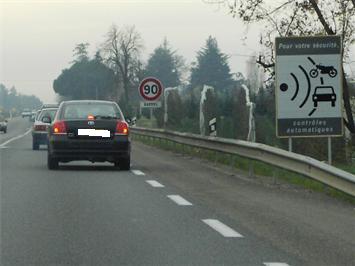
<point>249,167</point>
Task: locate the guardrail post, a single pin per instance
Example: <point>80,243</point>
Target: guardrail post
<point>275,174</point>
<point>231,160</point>
<point>251,168</point>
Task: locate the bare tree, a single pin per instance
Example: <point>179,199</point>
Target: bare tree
<point>302,18</point>
<point>121,51</point>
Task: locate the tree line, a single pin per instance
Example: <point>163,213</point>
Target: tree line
<point>11,100</point>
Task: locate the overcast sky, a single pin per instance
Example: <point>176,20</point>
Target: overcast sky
<point>37,37</point>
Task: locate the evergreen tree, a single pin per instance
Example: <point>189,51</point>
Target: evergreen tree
<point>86,80</point>
<point>165,65</point>
<point>211,68</point>
<point>80,52</point>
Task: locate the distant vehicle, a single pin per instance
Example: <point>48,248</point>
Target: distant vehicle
<point>49,105</point>
<point>39,128</point>
<point>26,113</point>
<point>324,94</point>
<point>95,131</point>
<point>3,125</point>
<point>33,115</point>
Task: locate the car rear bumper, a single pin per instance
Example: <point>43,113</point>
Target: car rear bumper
<point>40,137</point>
<point>67,149</point>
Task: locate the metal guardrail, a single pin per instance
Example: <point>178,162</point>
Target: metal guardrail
<point>301,164</point>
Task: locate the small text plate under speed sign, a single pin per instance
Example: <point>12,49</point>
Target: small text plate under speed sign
<point>150,89</point>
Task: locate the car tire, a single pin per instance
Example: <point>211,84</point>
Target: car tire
<point>35,145</point>
<point>52,163</point>
<point>333,104</point>
<point>125,164</point>
<point>5,130</point>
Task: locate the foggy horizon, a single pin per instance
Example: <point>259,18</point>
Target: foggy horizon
<point>38,37</point>
<point>43,34</point>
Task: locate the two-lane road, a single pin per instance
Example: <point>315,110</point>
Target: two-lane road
<point>15,127</point>
<point>169,210</point>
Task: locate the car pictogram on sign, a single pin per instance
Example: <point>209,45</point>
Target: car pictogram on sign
<point>324,94</point>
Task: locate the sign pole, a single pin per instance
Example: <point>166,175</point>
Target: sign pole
<point>290,144</point>
<point>329,150</point>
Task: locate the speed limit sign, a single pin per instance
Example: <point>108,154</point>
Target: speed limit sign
<point>150,89</point>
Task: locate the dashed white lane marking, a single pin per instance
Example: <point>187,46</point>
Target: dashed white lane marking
<point>275,264</point>
<point>221,228</point>
<point>179,200</point>
<point>14,138</point>
<point>154,183</point>
<point>137,172</point>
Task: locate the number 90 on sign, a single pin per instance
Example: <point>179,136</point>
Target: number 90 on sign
<point>150,89</point>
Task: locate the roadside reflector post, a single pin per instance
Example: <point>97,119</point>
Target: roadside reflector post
<point>329,150</point>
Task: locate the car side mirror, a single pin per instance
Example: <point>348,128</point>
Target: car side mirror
<point>46,119</point>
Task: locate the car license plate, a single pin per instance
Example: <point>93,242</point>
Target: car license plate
<point>94,132</point>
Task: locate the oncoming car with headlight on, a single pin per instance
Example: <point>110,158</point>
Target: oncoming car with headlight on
<point>95,131</point>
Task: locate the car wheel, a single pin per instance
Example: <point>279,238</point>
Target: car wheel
<point>5,130</point>
<point>333,104</point>
<point>52,163</point>
<point>35,145</point>
<point>125,164</point>
<point>313,73</point>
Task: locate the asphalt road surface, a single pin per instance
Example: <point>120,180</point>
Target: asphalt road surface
<point>169,210</point>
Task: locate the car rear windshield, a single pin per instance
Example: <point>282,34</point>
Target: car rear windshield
<point>47,112</point>
<point>75,111</point>
<point>324,90</point>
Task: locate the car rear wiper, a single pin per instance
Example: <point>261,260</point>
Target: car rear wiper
<point>104,117</point>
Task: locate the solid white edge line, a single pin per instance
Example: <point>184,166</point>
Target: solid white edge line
<point>179,200</point>
<point>221,228</point>
<point>137,172</point>
<point>275,264</point>
<point>154,183</point>
<point>14,138</point>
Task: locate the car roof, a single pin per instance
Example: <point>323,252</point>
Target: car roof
<point>88,101</point>
<point>48,105</point>
<point>49,108</point>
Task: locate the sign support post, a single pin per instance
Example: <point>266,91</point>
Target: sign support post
<point>329,150</point>
<point>290,144</point>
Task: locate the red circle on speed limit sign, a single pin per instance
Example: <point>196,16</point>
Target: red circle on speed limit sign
<point>150,89</point>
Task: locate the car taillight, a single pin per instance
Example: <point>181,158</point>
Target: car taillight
<point>122,128</point>
<point>59,127</point>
